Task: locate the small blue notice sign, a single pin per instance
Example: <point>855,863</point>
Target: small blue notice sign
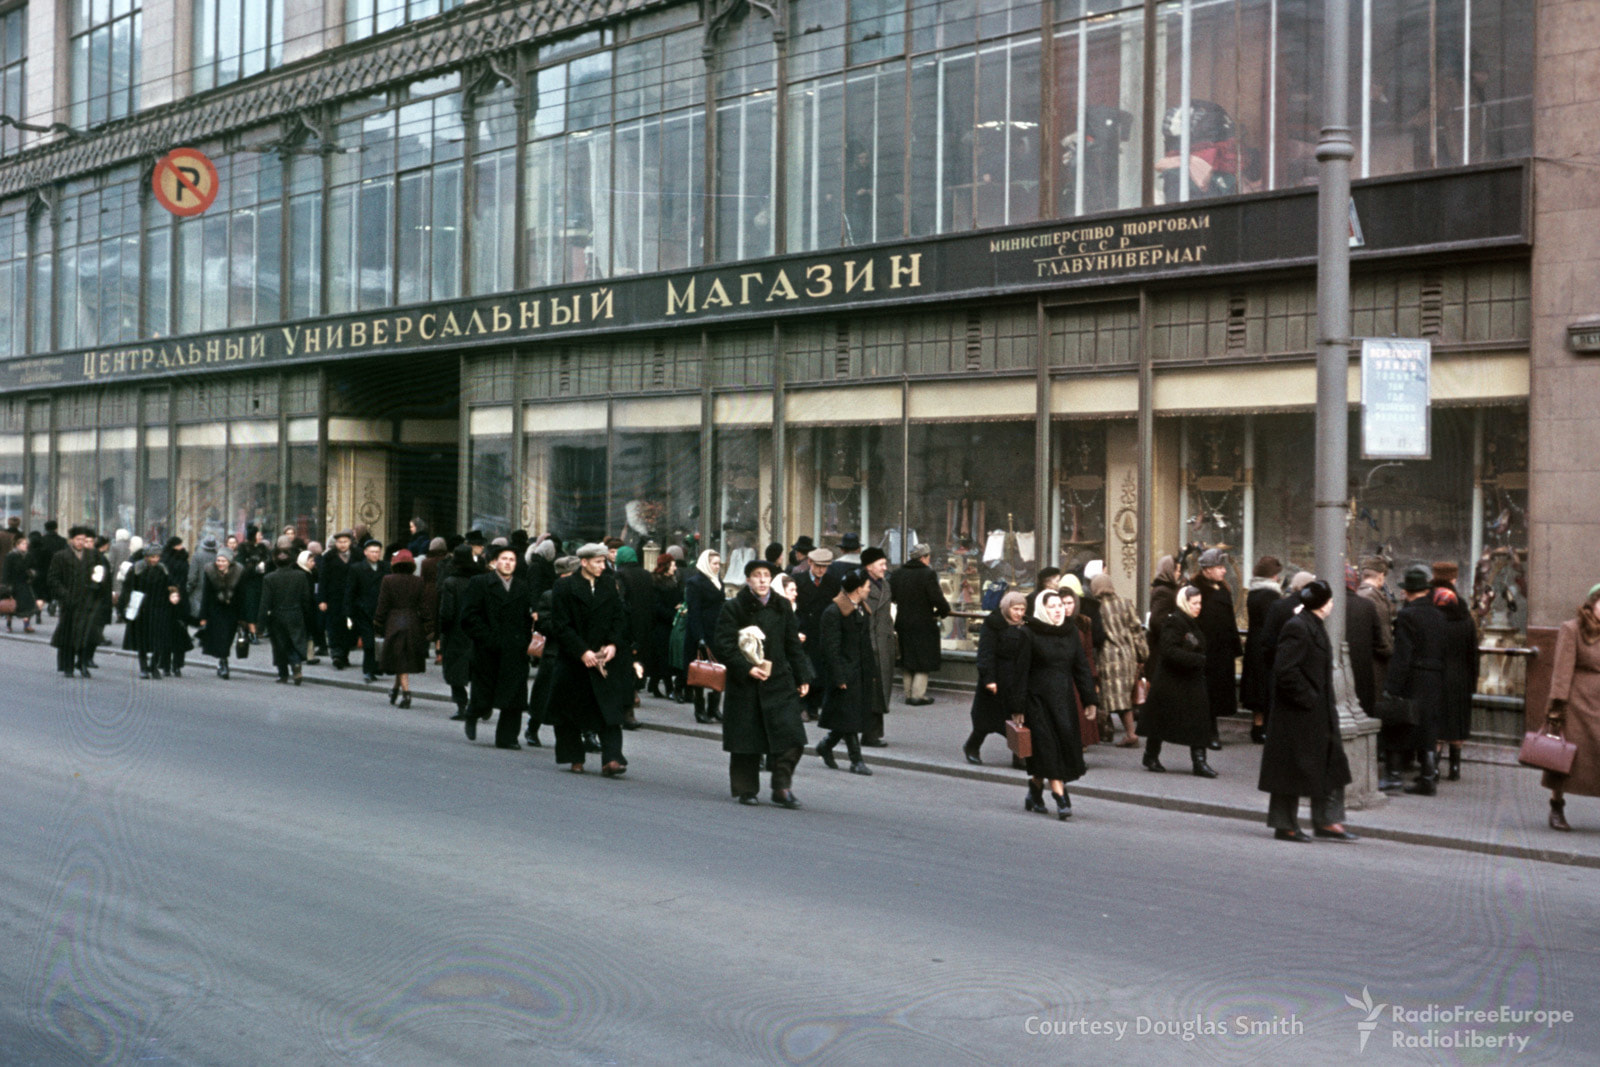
<point>1395,398</point>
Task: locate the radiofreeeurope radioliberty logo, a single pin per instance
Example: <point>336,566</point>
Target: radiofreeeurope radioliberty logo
<point>1372,1011</point>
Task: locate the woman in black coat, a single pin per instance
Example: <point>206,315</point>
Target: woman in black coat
<point>544,674</point>
<point>988,709</point>
<point>1163,599</point>
<point>919,605</point>
<point>761,716</point>
<point>221,605</point>
<point>156,632</point>
<point>1047,664</point>
<point>702,595</point>
<point>400,618</point>
<point>1460,674</point>
<point>287,609</point>
<point>1255,677</point>
<point>1223,648</point>
<point>668,595</point>
<point>18,583</point>
<point>1177,709</point>
<point>1416,672</point>
<point>1304,754</point>
<point>848,669</point>
<point>454,642</point>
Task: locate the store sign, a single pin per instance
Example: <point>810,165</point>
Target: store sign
<point>1395,398</point>
<point>1584,337</point>
<point>1200,239</point>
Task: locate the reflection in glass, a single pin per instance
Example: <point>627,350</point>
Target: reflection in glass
<point>848,479</point>
<point>655,486</point>
<point>565,493</point>
<point>490,485</point>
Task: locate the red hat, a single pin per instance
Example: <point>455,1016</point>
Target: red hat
<point>404,556</point>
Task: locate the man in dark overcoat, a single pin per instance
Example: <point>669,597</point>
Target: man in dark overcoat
<point>1371,643</point>
<point>846,672</point>
<point>497,615</point>
<point>593,687</point>
<point>1221,628</point>
<point>1255,676</point>
<point>816,586</point>
<point>1304,754</point>
<point>761,709</point>
<point>333,578</point>
<point>287,610</point>
<point>880,620</point>
<point>79,581</point>
<point>361,600</point>
<point>919,605</point>
<point>1416,672</point>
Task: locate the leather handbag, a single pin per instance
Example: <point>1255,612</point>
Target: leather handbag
<point>536,646</point>
<point>1141,691</point>
<point>241,647</point>
<point>1397,711</point>
<point>1547,751</point>
<point>706,673</point>
<point>1019,739</point>
<point>8,605</point>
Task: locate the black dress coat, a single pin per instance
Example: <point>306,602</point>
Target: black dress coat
<point>16,579</point>
<point>846,658</point>
<point>333,578</point>
<point>988,709</point>
<point>1178,710</point>
<point>668,595</point>
<point>1304,755</point>
<point>541,575</point>
<point>286,611</point>
<point>1416,671</point>
<point>919,605</point>
<point>704,600</point>
<point>811,598</point>
<point>158,628</point>
<point>1163,599</point>
<point>585,617</point>
<point>361,591</point>
<point>1223,648</point>
<point>1047,673</point>
<point>454,641</point>
<point>762,716</point>
<point>1255,677</point>
<point>639,600</point>
<point>1278,613</point>
<point>401,618</point>
<point>72,585</point>
<point>544,671</point>
<point>1460,675</point>
<point>221,608</point>
<point>1369,643</point>
<point>499,622</point>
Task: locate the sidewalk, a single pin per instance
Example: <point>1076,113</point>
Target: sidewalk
<point>1498,807</point>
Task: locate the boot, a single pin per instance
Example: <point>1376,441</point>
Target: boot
<point>1035,799</point>
<point>1063,806</point>
<point>655,689</point>
<point>1558,814</point>
<point>700,707</point>
<point>825,750</point>
<point>1426,784</point>
<point>1455,763</point>
<point>1258,734</point>
<point>1389,779</point>
<point>591,742</point>
<point>969,749</point>
<point>1202,769</point>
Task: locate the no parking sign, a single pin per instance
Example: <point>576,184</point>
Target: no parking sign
<point>185,181</point>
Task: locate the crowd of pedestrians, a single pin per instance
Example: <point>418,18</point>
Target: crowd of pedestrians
<point>548,632</point>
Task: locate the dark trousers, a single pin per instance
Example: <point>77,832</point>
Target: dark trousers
<point>1284,808</point>
<point>340,639</point>
<point>458,693</point>
<point>361,626</point>
<point>707,701</point>
<point>1152,748</point>
<point>851,739</point>
<point>744,770</point>
<point>70,659</point>
<point>570,747</point>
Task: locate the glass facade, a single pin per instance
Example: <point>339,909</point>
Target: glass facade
<point>104,57</point>
<point>235,39</point>
<point>13,68</point>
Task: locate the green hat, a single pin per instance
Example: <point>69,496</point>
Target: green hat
<point>626,554</point>
<point>1418,579</point>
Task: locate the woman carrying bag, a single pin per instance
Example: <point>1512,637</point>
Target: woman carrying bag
<point>1575,707</point>
<point>702,594</point>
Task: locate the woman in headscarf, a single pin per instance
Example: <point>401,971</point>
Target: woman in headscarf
<point>988,707</point>
<point>1047,666</point>
<point>1178,709</point>
<point>155,632</point>
<point>1163,598</point>
<point>702,594</point>
<point>1575,707</point>
<point>1122,657</point>
<point>220,608</point>
<point>1460,674</point>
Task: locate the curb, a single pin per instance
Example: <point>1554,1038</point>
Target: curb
<point>1119,796</point>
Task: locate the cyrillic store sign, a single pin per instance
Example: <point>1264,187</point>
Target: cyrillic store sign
<point>1480,207</point>
<point>1395,398</point>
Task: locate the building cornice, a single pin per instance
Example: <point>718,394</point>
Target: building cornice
<point>472,33</point>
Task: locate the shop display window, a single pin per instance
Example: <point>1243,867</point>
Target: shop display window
<point>655,487</point>
<point>848,479</point>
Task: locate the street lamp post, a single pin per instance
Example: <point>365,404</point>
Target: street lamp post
<point>1334,152</point>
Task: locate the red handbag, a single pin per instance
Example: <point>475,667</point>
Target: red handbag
<point>536,646</point>
<point>1019,739</point>
<point>1547,752</point>
<point>706,673</point>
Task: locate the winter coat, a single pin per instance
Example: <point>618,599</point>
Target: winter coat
<point>158,628</point>
<point>16,580</point>
<point>1122,654</point>
<point>1304,754</point>
<point>1575,679</point>
<point>220,608</point>
<point>361,591</point>
<point>1379,599</point>
<point>705,600</point>
<point>401,619</point>
<point>1221,630</point>
<point>177,562</point>
<point>1460,672</point>
<point>544,674</point>
<point>454,641</point>
<point>1371,643</point>
<point>252,559</point>
<point>761,716</point>
<point>333,579</point>
<point>1416,670</point>
<point>1279,612</point>
<point>988,709</point>
<point>586,617</point>
<point>813,597</point>
<point>846,659</point>
<point>541,575</point>
<point>202,558</point>
<point>881,620</point>
<point>1047,675</point>
<point>1178,710</point>
<point>433,570</point>
<point>73,585</point>
<point>919,605</point>
<point>286,612</point>
<point>1163,600</point>
<point>639,600</point>
<point>668,595</point>
<point>1255,677</point>
<point>499,622</point>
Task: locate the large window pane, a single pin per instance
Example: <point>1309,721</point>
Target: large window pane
<point>655,486</point>
<point>848,480</point>
<point>1099,101</point>
<point>490,485</point>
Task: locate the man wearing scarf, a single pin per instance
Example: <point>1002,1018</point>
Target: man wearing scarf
<point>593,687</point>
<point>881,624</point>
<point>79,580</point>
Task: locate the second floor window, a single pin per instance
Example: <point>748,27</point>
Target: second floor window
<point>105,60</point>
<point>13,58</point>
<point>363,18</point>
<point>235,39</point>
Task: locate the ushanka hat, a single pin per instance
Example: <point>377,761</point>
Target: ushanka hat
<point>871,556</point>
<point>758,564</point>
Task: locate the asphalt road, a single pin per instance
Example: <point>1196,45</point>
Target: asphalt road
<point>238,872</point>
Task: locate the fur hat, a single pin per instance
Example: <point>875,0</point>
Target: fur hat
<point>676,552</point>
<point>1213,557</point>
<point>872,555</point>
<point>758,564</point>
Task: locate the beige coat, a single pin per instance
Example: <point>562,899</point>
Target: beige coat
<point>1577,681</point>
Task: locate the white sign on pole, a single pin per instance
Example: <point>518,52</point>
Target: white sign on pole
<point>1395,398</point>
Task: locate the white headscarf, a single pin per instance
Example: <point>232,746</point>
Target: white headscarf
<point>704,567</point>
<point>1039,609</point>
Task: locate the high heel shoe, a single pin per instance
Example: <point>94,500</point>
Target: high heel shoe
<point>1063,806</point>
<point>394,693</point>
<point>1035,800</point>
<point>405,699</point>
<point>1153,764</point>
<point>1558,815</point>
